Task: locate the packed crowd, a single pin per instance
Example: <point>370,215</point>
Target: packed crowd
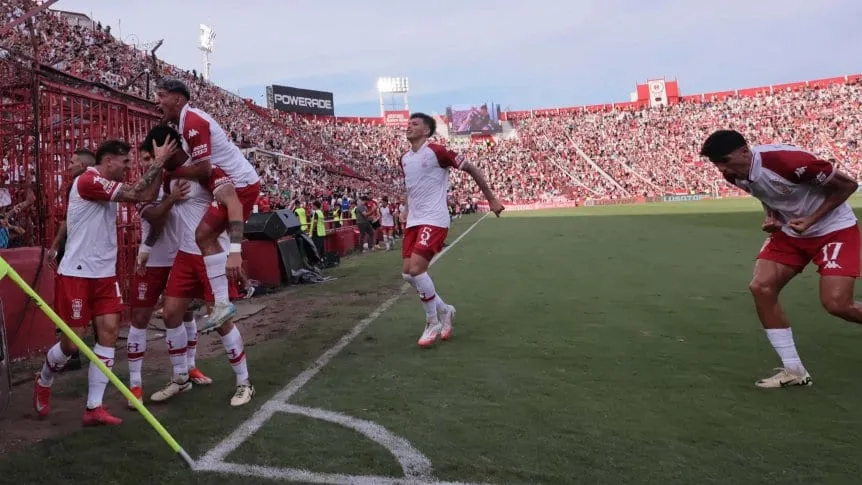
<point>580,155</point>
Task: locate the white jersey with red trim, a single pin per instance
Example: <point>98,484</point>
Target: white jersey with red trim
<point>165,250</point>
<point>790,181</point>
<point>204,139</point>
<point>426,176</point>
<point>91,224</point>
<point>190,211</point>
<point>386,218</point>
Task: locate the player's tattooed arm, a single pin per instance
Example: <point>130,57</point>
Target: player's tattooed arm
<point>144,190</point>
<point>838,189</point>
<point>475,172</point>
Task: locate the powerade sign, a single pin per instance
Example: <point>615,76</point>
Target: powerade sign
<point>685,198</point>
<point>304,101</point>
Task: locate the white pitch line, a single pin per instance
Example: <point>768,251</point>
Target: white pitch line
<point>215,457</point>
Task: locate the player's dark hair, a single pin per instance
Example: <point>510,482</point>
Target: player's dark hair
<point>174,86</point>
<point>429,122</point>
<point>83,152</point>
<point>157,136</point>
<point>721,143</point>
<point>111,147</point>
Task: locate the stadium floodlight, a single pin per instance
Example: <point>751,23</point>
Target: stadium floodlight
<point>206,46</point>
<point>392,88</point>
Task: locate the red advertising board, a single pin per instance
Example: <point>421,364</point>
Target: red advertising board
<point>396,118</point>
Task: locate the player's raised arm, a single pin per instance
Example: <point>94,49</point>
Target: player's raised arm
<point>482,182</point>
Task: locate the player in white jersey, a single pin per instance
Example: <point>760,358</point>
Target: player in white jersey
<point>387,223</point>
<point>426,176</point>
<point>160,242</point>
<point>809,219</point>
<point>87,286</point>
<point>209,147</point>
<point>188,280</point>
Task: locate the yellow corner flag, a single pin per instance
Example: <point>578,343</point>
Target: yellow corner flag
<point>6,270</point>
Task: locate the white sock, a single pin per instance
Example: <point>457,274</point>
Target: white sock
<point>97,380</point>
<point>215,265</point>
<point>191,350</point>
<point>406,277</point>
<point>177,341</point>
<point>55,360</point>
<point>441,305</point>
<point>425,288</point>
<point>232,342</point>
<point>782,341</point>
<point>136,347</point>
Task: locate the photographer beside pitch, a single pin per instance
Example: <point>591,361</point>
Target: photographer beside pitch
<point>809,219</point>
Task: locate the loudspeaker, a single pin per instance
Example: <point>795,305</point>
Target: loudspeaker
<point>265,227</point>
<point>291,222</point>
<point>291,259</point>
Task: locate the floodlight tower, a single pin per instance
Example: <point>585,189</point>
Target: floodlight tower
<point>207,38</point>
<point>393,89</point>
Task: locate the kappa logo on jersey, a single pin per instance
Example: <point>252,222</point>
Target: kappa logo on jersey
<point>799,171</point>
<point>77,306</point>
<point>193,133</point>
<point>142,291</point>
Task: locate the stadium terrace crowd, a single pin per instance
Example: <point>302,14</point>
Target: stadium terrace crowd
<point>581,155</point>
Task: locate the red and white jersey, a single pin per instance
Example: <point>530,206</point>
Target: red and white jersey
<point>165,250</point>
<point>426,175</point>
<point>204,139</point>
<point>790,181</point>
<point>190,211</point>
<point>91,222</point>
<point>386,218</point>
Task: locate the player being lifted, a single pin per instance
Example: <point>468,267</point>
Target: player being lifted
<point>808,219</point>
<point>87,285</point>
<point>426,176</point>
<point>188,280</point>
<point>209,147</point>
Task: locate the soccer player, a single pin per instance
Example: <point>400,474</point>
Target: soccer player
<point>387,222</point>
<point>160,241</point>
<point>188,280</point>
<point>808,219</point>
<point>87,285</point>
<point>209,147</point>
<point>426,176</point>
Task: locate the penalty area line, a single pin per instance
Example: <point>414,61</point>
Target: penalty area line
<point>213,460</point>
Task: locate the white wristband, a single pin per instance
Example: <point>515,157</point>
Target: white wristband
<point>145,249</point>
<point>235,248</point>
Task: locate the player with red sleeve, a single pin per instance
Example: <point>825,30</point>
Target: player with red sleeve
<point>87,286</point>
<point>426,176</point>
<point>209,147</point>
<point>808,219</point>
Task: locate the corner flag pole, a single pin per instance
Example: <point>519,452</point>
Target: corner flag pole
<point>6,270</point>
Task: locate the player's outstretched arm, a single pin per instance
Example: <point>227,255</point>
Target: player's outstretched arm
<point>226,195</point>
<point>479,177</point>
<point>838,189</point>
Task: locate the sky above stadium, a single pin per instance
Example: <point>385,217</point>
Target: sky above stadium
<point>519,54</point>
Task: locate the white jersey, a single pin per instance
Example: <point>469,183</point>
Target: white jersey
<point>165,250</point>
<point>426,175</point>
<point>189,213</point>
<point>91,222</point>
<point>790,181</point>
<point>386,219</point>
<point>204,139</point>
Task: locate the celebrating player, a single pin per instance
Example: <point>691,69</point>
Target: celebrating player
<point>809,219</point>
<point>426,175</point>
<point>87,286</point>
<point>160,241</point>
<point>188,280</point>
<point>209,147</point>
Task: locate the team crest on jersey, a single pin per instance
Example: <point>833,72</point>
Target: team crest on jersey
<point>142,291</point>
<point>77,306</point>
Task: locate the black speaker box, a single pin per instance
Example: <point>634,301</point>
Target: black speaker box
<point>265,227</point>
<point>291,258</point>
<point>291,222</point>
